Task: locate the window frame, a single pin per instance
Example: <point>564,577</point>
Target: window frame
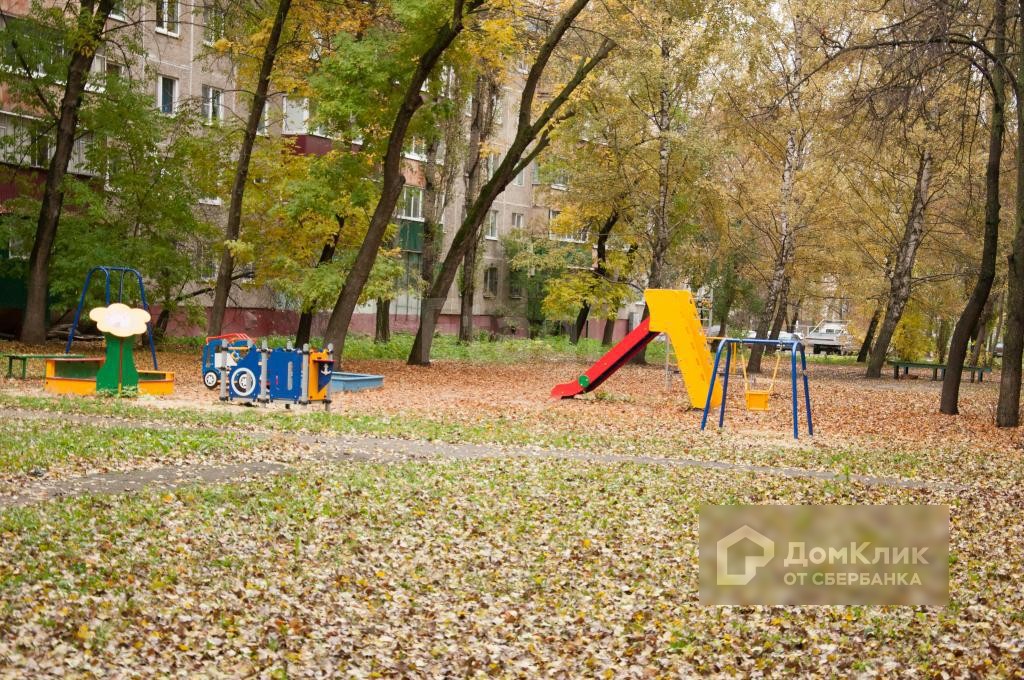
<point>211,14</point>
<point>162,19</point>
<point>491,288</point>
<point>405,200</point>
<point>160,79</point>
<point>207,101</point>
<point>491,225</point>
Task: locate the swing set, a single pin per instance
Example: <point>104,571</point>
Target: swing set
<point>758,395</point>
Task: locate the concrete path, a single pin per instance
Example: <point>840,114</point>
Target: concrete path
<point>326,448</point>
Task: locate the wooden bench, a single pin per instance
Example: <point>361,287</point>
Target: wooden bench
<point>25,358</point>
<point>938,370</point>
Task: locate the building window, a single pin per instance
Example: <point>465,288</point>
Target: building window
<point>116,70</point>
<point>296,115</point>
<point>410,206</point>
<point>213,104</point>
<point>498,108</point>
<point>213,23</point>
<point>535,173</point>
<point>416,149</point>
<point>519,180</point>
<point>491,225</point>
<point>518,220</point>
<point>41,151</point>
<point>515,286</point>
<point>263,128</point>
<point>167,93</point>
<point>578,236</point>
<point>493,161</point>
<point>117,10</point>
<point>167,16</point>
<point>491,281</point>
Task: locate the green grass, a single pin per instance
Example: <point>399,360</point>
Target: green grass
<point>481,566</point>
<point>39,445</point>
<point>225,426</point>
<point>448,348</point>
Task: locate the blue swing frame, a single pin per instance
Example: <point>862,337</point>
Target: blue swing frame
<point>106,296</point>
<point>726,345</point>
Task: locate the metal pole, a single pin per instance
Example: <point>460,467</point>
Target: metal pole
<point>711,387</point>
<point>327,393</point>
<point>78,311</point>
<point>224,371</point>
<point>725,385</point>
<point>304,375</point>
<point>807,392</point>
<point>264,397</point>
<point>792,380</point>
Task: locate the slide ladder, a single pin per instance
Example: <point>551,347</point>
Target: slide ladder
<point>674,313</point>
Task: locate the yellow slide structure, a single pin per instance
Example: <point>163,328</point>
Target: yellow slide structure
<point>674,313</point>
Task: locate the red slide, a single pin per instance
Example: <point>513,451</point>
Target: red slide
<point>618,355</point>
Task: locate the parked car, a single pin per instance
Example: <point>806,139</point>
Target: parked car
<point>784,336</point>
<point>998,351</point>
<point>829,337</point>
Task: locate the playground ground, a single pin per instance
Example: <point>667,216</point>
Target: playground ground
<point>458,522</point>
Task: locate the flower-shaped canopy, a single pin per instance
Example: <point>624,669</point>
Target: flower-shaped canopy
<point>120,320</point>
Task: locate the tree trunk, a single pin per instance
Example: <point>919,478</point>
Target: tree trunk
<point>528,134</point>
<point>993,338</point>
<point>382,331</point>
<point>432,210</point>
<point>252,125</point>
<point>941,340</point>
<point>1008,408</point>
<point>480,126</point>
<point>305,327</point>
<point>780,317</point>
<point>468,293</point>
<point>949,400</point>
<point>581,323</point>
<point>982,333</point>
<point>608,333</point>
<point>900,287</point>
<point>33,325</point>
<point>869,334</point>
<point>784,256</point>
<point>599,271</point>
<point>392,179</point>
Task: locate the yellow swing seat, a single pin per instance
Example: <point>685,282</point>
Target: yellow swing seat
<point>758,398</point>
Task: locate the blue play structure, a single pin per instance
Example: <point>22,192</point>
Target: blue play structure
<point>237,346</point>
<point>264,375</point>
<point>726,345</point>
<point>122,272</point>
<point>355,382</point>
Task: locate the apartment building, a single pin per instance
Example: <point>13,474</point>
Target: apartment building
<point>181,70</point>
